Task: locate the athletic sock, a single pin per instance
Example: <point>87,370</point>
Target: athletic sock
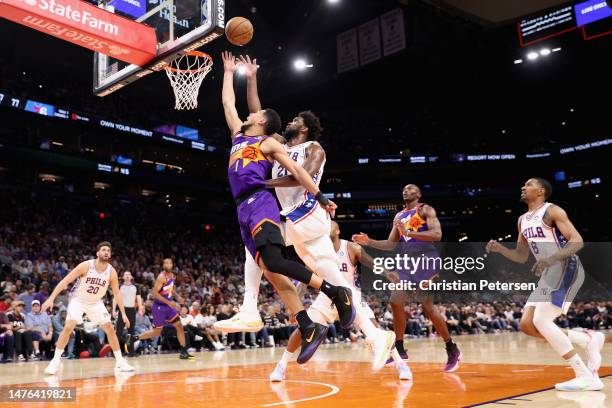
<point>303,319</point>
<point>330,290</point>
<point>285,358</point>
<point>580,369</point>
<point>397,359</point>
<point>118,355</point>
<point>579,337</point>
<point>58,353</point>
<point>449,344</point>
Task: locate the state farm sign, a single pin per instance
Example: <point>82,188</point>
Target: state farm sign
<point>85,25</point>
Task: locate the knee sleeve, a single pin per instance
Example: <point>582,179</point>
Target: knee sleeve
<point>272,257</point>
<point>544,320</point>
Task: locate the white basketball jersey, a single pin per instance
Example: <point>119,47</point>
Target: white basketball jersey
<point>290,196</point>
<point>544,241</point>
<point>92,286</point>
<point>346,266</point>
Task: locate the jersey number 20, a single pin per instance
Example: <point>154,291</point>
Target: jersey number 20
<point>93,289</point>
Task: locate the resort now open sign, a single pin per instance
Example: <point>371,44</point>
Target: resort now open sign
<point>85,25</point>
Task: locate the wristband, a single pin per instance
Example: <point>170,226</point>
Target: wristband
<point>321,199</point>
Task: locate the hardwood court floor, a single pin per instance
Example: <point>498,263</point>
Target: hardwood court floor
<point>497,370</point>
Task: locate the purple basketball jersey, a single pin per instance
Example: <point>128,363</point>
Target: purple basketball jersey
<point>248,168</point>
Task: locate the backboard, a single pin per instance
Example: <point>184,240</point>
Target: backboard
<point>181,26</point>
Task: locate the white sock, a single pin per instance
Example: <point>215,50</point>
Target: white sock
<point>397,359</point>
<point>252,279</point>
<point>579,367</point>
<point>58,354</point>
<point>285,358</point>
<point>579,337</point>
<point>118,356</point>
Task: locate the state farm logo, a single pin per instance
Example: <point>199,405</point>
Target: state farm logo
<point>76,15</point>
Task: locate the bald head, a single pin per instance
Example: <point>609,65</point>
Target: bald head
<point>411,192</point>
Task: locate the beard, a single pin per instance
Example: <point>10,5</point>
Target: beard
<point>245,127</point>
<point>290,134</point>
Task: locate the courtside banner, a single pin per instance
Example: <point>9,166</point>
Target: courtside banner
<point>85,25</point>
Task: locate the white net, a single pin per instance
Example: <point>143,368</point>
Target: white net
<point>186,74</point>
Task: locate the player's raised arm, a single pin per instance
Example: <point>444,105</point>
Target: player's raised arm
<point>520,254</point>
<point>251,74</point>
<point>114,284</point>
<point>388,244</point>
<point>315,155</point>
<point>77,272</point>
<point>228,96</point>
<point>274,150</point>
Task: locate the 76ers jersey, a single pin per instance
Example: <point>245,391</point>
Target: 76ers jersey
<point>544,241</point>
<point>346,265</point>
<point>92,286</point>
<point>290,196</point>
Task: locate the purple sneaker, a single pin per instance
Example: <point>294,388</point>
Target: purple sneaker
<point>454,357</point>
<point>390,362</point>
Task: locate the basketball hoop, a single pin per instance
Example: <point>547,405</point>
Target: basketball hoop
<point>186,74</point>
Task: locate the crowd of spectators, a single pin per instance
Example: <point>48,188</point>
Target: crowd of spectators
<point>42,239</point>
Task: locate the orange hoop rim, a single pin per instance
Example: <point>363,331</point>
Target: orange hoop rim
<point>198,54</point>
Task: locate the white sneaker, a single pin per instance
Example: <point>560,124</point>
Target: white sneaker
<point>593,349</point>
<point>278,374</point>
<point>241,322</point>
<point>404,372</point>
<point>53,367</point>
<point>122,365</point>
<point>381,345</point>
<point>585,383</point>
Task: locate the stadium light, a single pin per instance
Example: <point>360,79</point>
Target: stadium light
<point>300,64</point>
<point>518,61</point>
<point>532,56</point>
<point>544,52</point>
<point>241,70</point>
<point>333,1</point>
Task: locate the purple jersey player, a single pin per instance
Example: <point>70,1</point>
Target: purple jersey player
<point>165,310</point>
<point>250,164</point>
<point>416,227</point>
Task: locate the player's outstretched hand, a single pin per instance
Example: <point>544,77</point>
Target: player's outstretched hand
<point>331,208</point>
<point>494,246</point>
<point>362,238</point>
<point>47,304</point>
<point>229,62</point>
<point>250,66</point>
<point>126,321</point>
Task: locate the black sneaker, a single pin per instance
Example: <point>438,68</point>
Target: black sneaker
<point>312,337</point>
<point>345,307</point>
<point>185,355</point>
<point>129,342</point>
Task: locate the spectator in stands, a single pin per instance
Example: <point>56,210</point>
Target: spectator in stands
<point>23,336</point>
<point>5,303</point>
<point>59,321</point>
<point>42,330</point>
<point>27,297</point>
<point>6,338</point>
<point>43,292</point>
<point>143,324</point>
<point>195,309</point>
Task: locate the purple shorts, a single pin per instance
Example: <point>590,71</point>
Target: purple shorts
<point>163,314</point>
<point>424,262</point>
<point>259,220</point>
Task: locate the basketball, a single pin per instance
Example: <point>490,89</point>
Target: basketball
<point>84,354</point>
<point>239,31</point>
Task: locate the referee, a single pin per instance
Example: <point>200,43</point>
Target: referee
<point>132,302</point>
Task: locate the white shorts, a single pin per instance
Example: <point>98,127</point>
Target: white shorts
<point>559,288</point>
<point>323,310</point>
<point>96,312</point>
<point>305,222</point>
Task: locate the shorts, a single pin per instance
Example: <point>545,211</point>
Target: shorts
<point>559,286</point>
<point>96,312</point>
<point>163,314</point>
<point>424,262</point>
<point>306,221</point>
<point>259,221</point>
